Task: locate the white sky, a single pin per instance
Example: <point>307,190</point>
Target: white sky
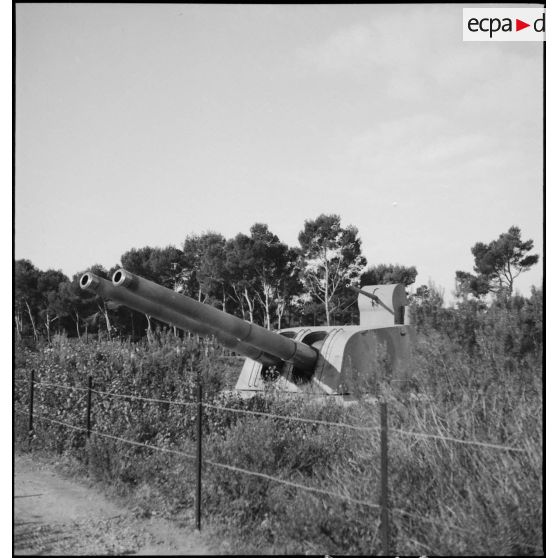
<point>140,124</point>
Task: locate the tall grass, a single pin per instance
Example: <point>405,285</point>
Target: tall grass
<point>447,498</point>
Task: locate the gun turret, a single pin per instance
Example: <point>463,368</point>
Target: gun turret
<point>327,360</point>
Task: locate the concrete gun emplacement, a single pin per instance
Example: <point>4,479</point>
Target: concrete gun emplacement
<point>328,360</point>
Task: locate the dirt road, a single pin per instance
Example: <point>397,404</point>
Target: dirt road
<point>55,515</point>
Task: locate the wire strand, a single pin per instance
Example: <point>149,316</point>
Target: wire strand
<point>293,484</point>
<point>299,419</point>
<point>50,384</point>
<point>150,399</point>
<point>104,435</point>
<point>457,440</point>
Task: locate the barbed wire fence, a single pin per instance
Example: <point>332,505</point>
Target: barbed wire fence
<point>382,506</point>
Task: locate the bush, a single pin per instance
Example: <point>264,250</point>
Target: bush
<point>446,497</point>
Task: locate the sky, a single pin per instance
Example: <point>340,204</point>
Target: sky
<point>137,125</point>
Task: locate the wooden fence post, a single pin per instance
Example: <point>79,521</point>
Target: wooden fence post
<point>89,388</point>
<point>199,456</point>
<point>384,478</point>
<point>31,396</point>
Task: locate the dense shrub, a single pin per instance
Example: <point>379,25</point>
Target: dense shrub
<point>514,325</point>
<point>446,497</point>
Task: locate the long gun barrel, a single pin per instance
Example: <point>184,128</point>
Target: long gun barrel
<point>301,355</point>
<point>93,283</point>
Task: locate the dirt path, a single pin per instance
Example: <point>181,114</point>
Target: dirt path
<point>55,515</point>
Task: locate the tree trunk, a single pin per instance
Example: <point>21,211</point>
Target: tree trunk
<point>19,326</point>
<point>107,319</point>
<point>326,286</point>
<point>510,282</point>
<point>326,297</point>
<point>250,305</point>
<point>77,324</point>
<point>280,311</point>
<point>240,300</point>
<point>35,335</point>
<point>266,305</point>
<point>47,324</point>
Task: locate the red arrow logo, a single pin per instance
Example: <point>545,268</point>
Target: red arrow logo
<point>519,25</point>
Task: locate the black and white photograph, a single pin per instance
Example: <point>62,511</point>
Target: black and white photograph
<point>279,279</point>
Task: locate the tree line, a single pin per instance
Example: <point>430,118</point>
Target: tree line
<point>256,277</point>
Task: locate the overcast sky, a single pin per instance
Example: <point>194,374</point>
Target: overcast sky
<point>140,124</point>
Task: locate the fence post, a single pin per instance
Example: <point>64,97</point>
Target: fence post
<point>384,478</point>
<point>31,395</point>
<point>89,388</point>
<point>199,456</point>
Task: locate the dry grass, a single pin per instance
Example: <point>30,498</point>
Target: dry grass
<point>458,499</point>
